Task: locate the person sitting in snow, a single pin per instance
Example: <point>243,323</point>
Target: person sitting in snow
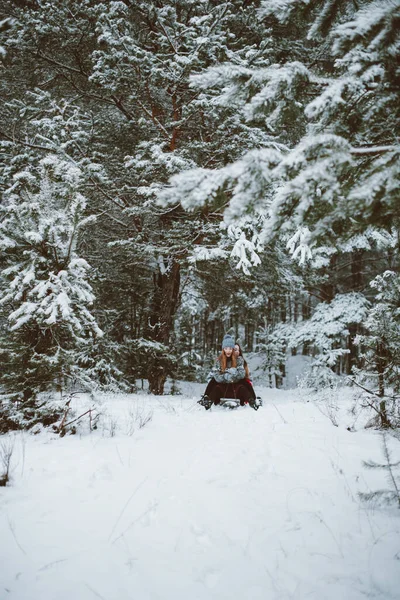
<point>227,378</point>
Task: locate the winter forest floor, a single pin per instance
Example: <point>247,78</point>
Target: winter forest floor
<point>196,505</point>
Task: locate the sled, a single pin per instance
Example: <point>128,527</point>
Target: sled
<point>230,403</point>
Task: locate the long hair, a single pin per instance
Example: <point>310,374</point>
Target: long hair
<point>246,366</point>
<point>223,359</point>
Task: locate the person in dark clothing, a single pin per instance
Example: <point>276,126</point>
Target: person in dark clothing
<point>228,339</point>
<point>210,385</point>
<point>228,378</point>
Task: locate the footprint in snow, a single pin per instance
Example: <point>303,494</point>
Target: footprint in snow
<point>209,578</point>
<point>151,514</point>
<point>201,536</point>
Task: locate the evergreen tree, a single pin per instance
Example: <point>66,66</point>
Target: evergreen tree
<point>335,174</point>
<point>380,348</point>
<point>272,346</point>
<point>208,137</point>
<point>45,292</point>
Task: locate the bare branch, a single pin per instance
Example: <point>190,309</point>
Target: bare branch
<point>58,64</point>
<point>370,391</point>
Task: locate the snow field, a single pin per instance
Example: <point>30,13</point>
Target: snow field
<point>198,505</point>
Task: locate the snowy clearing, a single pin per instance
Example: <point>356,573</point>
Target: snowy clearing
<point>199,505</point>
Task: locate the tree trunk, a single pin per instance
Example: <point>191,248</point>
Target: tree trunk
<point>328,289</point>
<point>249,335</point>
<point>380,364</point>
<point>283,310</point>
<point>380,368</point>
<point>351,358</point>
<point>357,269</point>
<point>383,414</point>
<point>157,377</point>
<point>161,321</point>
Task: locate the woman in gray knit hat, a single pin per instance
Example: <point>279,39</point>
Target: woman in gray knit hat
<point>226,378</point>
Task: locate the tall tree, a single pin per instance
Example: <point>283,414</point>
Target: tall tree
<point>44,282</point>
<point>332,105</point>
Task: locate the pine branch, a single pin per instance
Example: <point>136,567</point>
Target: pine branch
<point>388,495</point>
<point>167,36</point>
<point>118,103</point>
<point>97,186</point>
<point>154,119</point>
<point>105,212</point>
<point>370,391</point>
<point>85,94</point>
<point>391,476</point>
<point>15,140</point>
<point>370,464</point>
<point>58,64</point>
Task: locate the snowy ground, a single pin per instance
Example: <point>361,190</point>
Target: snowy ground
<point>197,505</point>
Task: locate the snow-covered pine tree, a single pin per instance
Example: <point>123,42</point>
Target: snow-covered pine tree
<point>130,63</point>
<point>328,329</point>
<point>337,172</point>
<point>379,372</point>
<point>343,172</point>
<point>44,283</point>
<point>346,164</point>
<point>272,347</point>
<point>261,109</point>
<point>185,131</point>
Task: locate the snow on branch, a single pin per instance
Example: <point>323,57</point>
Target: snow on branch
<point>281,9</point>
<point>306,177</point>
<point>245,251</point>
<point>200,253</point>
<point>329,325</point>
<point>374,150</point>
<point>278,85</point>
<point>249,176</point>
<point>370,26</point>
<point>299,245</point>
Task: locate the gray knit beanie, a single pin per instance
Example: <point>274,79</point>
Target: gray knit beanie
<point>228,341</point>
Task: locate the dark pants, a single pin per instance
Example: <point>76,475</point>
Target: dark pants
<point>210,386</point>
<point>240,391</point>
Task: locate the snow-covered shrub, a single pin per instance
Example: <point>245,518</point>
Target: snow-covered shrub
<point>328,328</point>
<point>6,451</point>
<point>139,415</point>
<point>326,390</point>
<point>96,366</point>
<point>324,393</point>
<point>149,358</point>
<point>110,425</point>
<point>174,389</point>
<point>16,414</point>
<point>79,414</point>
<point>189,366</point>
<point>318,377</point>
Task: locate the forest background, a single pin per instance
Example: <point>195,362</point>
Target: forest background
<point>174,169</point>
